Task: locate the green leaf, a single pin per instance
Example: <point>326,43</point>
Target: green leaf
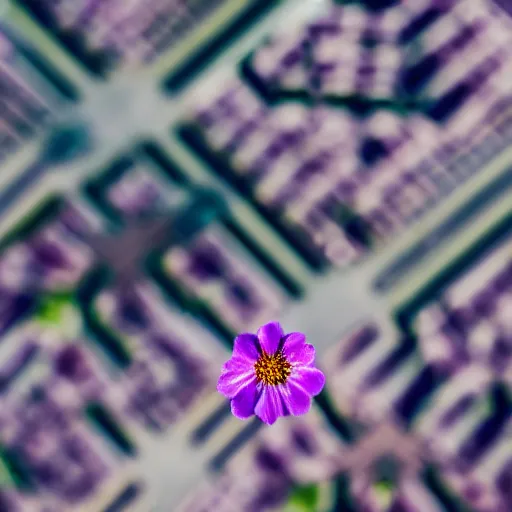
<point>304,498</point>
<point>51,309</point>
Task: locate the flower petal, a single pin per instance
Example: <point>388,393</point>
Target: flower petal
<point>270,336</point>
<point>312,380</point>
<point>294,341</point>
<point>238,365</point>
<point>235,374</point>
<point>243,403</point>
<point>246,347</point>
<point>297,399</point>
<point>271,405</point>
<point>296,350</point>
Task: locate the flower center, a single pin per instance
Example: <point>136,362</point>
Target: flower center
<point>272,369</point>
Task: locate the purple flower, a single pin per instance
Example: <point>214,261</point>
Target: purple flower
<point>271,375</point>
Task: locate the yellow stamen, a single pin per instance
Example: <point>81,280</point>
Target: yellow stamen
<point>272,369</point>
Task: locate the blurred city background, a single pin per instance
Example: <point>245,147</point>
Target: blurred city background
<point>174,172</point>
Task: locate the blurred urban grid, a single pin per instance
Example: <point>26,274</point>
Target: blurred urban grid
<point>174,172</point>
